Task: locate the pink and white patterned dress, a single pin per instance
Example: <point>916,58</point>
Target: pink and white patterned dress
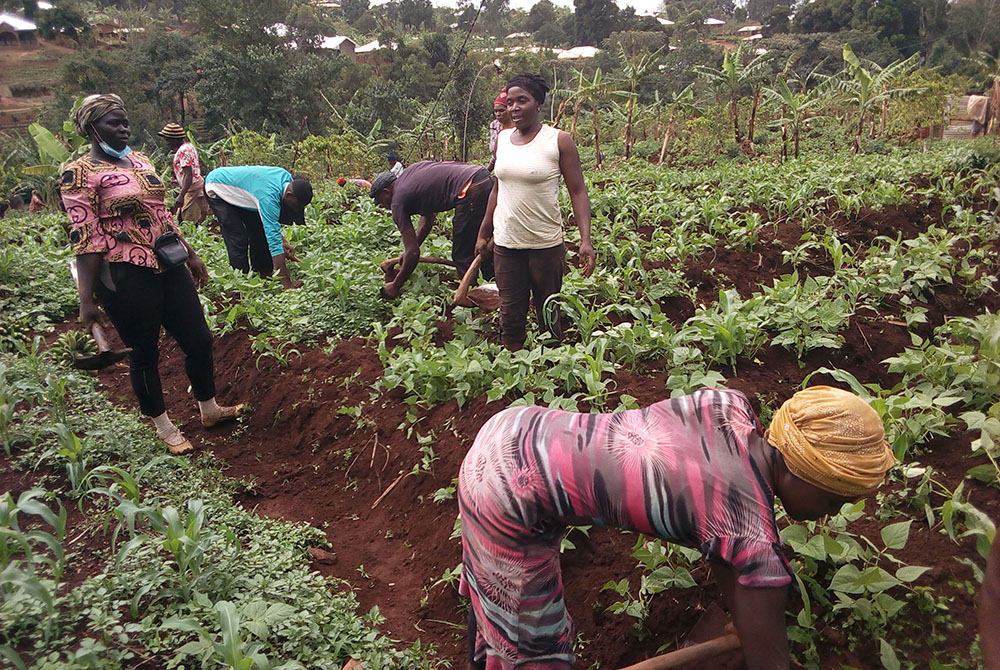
<point>679,470</point>
<point>187,156</point>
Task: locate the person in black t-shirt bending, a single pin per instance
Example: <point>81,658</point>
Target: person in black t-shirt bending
<point>426,188</point>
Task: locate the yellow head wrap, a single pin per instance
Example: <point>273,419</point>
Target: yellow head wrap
<point>93,108</point>
<point>832,439</point>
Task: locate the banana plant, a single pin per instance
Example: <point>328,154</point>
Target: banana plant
<point>633,71</point>
<point>794,108</point>
<point>593,92</point>
<point>682,102</point>
<point>731,79</point>
<point>54,152</point>
<point>869,86</point>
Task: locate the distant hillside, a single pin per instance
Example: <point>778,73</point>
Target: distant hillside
<point>28,80</point>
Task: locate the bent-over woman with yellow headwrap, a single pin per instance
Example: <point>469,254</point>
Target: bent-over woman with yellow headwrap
<point>695,470</point>
<point>132,261</point>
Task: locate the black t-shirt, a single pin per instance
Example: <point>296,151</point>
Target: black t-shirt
<point>429,187</point>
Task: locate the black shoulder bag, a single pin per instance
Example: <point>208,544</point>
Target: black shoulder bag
<point>170,251</point>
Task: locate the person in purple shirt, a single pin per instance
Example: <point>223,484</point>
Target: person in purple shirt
<point>427,188</point>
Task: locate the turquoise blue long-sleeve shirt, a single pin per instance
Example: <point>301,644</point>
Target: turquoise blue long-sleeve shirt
<point>254,187</point>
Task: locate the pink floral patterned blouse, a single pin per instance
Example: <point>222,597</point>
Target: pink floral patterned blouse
<point>115,211</point>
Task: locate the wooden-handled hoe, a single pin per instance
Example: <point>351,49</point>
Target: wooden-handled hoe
<point>105,355</point>
<point>484,297</point>
<point>697,653</point>
<point>711,644</point>
<point>388,266</point>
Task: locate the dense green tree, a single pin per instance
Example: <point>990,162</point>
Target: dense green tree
<point>494,18</point>
<point>267,89</point>
<point>409,13</point>
<point>759,10</point>
<point>155,75</point>
<point>465,14</point>
<point>677,9</point>
<point>240,23</point>
<point>634,43</point>
<point>92,70</point>
<point>595,20</point>
<point>165,71</point>
<point>823,16</point>
<point>974,25</point>
<point>437,47</point>
<point>542,13</point>
<point>550,35</point>
<point>305,26</point>
<point>366,24</point>
<point>777,21</point>
<point>678,65</point>
<point>67,18</point>
<point>823,51</point>
<point>354,9</point>
<point>896,21</point>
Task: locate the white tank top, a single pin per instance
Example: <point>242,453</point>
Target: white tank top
<point>527,213</point>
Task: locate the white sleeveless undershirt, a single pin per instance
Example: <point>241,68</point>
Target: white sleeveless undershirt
<point>527,213</point>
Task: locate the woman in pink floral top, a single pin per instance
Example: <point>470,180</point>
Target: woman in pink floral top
<point>114,200</point>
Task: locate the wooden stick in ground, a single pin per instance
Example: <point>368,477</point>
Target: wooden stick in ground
<point>461,295</point>
<point>696,652</point>
<point>389,488</point>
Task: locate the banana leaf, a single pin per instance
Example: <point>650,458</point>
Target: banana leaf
<point>50,149</point>
<point>40,170</point>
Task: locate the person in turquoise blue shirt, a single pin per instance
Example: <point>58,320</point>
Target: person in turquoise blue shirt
<point>251,202</point>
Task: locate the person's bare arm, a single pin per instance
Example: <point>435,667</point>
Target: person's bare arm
<point>408,261</point>
<point>186,179</point>
<point>199,271</point>
<point>424,226</point>
<point>282,269</point>
<point>88,267</point>
<point>572,172</point>
<point>486,228</point>
<point>759,616</point>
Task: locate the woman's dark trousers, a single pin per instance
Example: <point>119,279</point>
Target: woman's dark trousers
<point>141,303</point>
<point>523,275</point>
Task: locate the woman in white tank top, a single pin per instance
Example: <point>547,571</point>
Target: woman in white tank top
<point>523,215</point>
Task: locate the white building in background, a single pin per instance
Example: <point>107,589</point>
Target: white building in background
<point>374,45</point>
<point>340,44</point>
<point>17,31</point>
<point>578,52</point>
